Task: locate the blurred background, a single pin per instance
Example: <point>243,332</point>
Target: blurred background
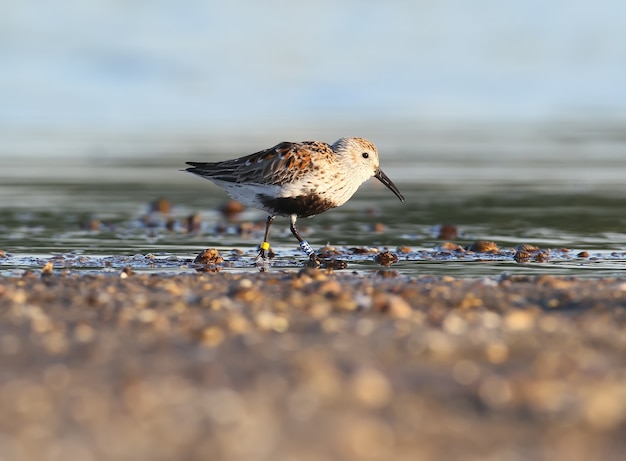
<point>143,77</point>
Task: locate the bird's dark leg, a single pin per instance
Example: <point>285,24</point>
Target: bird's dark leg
<point>304,245</point>
<point>265,245</point>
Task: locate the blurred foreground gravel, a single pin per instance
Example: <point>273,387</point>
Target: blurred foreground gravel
<point>311,366</point>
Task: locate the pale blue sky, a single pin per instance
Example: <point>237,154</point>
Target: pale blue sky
<point>197,65</point>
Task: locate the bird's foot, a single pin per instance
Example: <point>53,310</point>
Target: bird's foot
<point>264,251</point>
<point>264,254</point>
<point>313,261</point>
<point>310,252</point>
<point>262,262</point>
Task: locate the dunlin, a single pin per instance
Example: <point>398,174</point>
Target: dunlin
<point>297,179</point>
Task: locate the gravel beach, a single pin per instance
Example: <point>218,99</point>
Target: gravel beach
<point>311,365</point>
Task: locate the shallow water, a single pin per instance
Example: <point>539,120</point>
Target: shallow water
<point>99,219</point>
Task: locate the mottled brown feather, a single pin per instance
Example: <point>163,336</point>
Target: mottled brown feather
<point>286,162</point>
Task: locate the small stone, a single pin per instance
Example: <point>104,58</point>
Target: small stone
<point>361,250</point>
<point>483,246</point>
<point>527,247</point>
<point>386,273</point>
<point>238,324</point>
<point>448,232</point>
<point>497,352</point>
<point>48,269</point>
<point>495,392</point>
<point>345,302</point>
<point>541,256</point>
<point>84,333</point>
<point>519,320</point>
<point>311,273</point>
<point>403,249</point>
<point>392,305</point>
<point>470,301</point>
<point>245,292</point>
<point>371,388</point>
<point>604,407</point>
<point>330,288</point>
<point>91,225</point>
<point>328,251</point>
<point>525,252</point>
<point>126,272</point>
<point>522,256</point>
<point>193,223</point>
<point>245,229</point>
<point>465,372</point>
<point>212,336</point>
<point>231,209</point>
<point>386,258</point>
<point>334,264</point>
<point>379,228</point>
<point>583,254</point>
<point>449,246</point>
<point>209,256</point>
<point>161,205</point>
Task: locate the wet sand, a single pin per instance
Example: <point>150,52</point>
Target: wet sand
<point>311,365</point>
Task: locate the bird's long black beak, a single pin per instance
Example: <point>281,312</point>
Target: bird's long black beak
<point>382,177</point>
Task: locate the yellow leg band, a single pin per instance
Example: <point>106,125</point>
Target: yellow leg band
<point>265,246</point>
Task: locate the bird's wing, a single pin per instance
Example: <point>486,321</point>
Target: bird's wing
<point>283,163</point>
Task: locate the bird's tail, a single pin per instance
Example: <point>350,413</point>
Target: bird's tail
<point>200,168</point>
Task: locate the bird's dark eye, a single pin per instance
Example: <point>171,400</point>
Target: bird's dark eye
<point>365,155</point>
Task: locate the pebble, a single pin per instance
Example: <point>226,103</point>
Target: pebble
<point>527,247</point>
<point>386,258</point>
<point>161,205</point>
<point>371,388</point>
<point>126,272</point>
<point>483,246</point>
<point>209,256</point>
<point>48,269</point>
<point>193,223</point>
<point>231,209</point>
<point>522,256</point>
<point>448,232</point>
<point>449,246</point>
